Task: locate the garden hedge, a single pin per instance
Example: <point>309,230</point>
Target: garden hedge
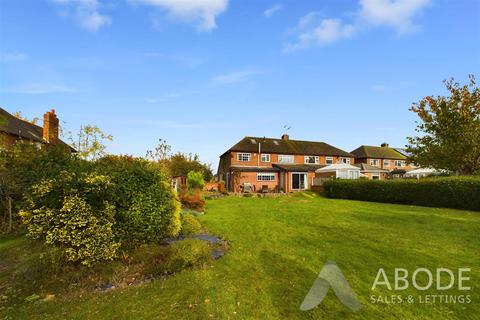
<point>448,192</point>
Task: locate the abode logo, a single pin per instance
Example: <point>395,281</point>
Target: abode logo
<point>330,277</point>
<point>447,285</point>
<point>444,285</point>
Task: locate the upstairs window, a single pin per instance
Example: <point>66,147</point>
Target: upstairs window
<point>312,159</point>
<point>386,163</point>
<point>265,157</point>
<point>285,158</point>
<point>373,162</point>
<point>344,160</point>
<point>328,160</point>
<point>244,157</point>
<point>399,163</point>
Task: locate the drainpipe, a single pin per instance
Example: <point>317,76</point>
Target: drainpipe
<point>259,155</point>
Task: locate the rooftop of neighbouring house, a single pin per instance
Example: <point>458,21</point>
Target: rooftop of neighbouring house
<point>285,145</point>
<point>22,129</point>
<point>381,152</point>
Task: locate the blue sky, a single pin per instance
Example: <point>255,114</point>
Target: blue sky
<point>204,73</point>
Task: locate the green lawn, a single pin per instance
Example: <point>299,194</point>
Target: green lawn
<point>277,248</point>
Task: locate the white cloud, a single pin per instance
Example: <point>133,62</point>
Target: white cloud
<point>271,11</point>
<point>202,11</point>
<point>325,32</point>
<point>395,13</point>
<point>13,56</point>
<point>398,14</point>
<point>87,13</point>
<point>234,77</point>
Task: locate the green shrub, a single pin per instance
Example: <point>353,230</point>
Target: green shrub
<point>185,254</point>
<point>195,181</point>
<point>190,225</point>
<point>70,212</point>
<point>448,192</point>
<point>147,209</point>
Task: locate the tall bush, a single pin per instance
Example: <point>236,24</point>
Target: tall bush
<point>147,208</point>
<point>70,211</point>
<point>448,192</point>
<point>195,180</point>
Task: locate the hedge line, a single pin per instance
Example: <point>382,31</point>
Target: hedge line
<point>448,192</point>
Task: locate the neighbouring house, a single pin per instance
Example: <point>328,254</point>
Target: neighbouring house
<point>273,165</point>
<point>13,129</point>
<point>383,157</point>
<point>372,172</point>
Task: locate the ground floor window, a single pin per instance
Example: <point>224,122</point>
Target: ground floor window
<point>265,176</point>
<point>375,177</point>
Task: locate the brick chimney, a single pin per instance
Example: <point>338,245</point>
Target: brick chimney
<point>50,127</point>
<point>384,145</point>
<point>285,137</point>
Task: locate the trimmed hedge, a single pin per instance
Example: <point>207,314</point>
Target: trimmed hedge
<point>448,192</point>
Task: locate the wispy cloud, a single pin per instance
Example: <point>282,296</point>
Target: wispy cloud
<point>234,77</point>
<point>312,30</point>
<point>86,12</point>
<point>272,10</point>
<point>39,88</point>
<point>203,12</point>
<point>13,56</point>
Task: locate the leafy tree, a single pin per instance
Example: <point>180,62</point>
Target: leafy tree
<point>195,180</point>
<point>90,142</point>
<point>450,128</point>
<point>161,152</point>
<point>22,166</point>
<point>181,164</point>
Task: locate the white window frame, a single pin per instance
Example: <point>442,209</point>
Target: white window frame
<point>399,163</point>
<point>281,158</point>
<point>344,160</point>
<point>307,159</point>
<point>376,175</point>
<point>265,157</point>
<point>328,160</point>
<point>241,155</point>
<point>266,176</point>
<point>374,162</point>
<point>386,163</point>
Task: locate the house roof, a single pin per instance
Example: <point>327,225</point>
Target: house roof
<point>271,145</point>
<point>337,166</point>
<point>368,168</point>
<point>22,129</point>
<point>377,152</point>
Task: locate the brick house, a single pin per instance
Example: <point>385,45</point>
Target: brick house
<point>381,162</point>
<point>269,164</point>
<point>13,129</point>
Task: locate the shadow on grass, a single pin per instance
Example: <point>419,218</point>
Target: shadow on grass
<point>289,282</point>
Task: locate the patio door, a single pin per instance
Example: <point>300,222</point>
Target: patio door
<point>299,181</point>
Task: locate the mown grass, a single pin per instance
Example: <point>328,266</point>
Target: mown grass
<point>277,247</point>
